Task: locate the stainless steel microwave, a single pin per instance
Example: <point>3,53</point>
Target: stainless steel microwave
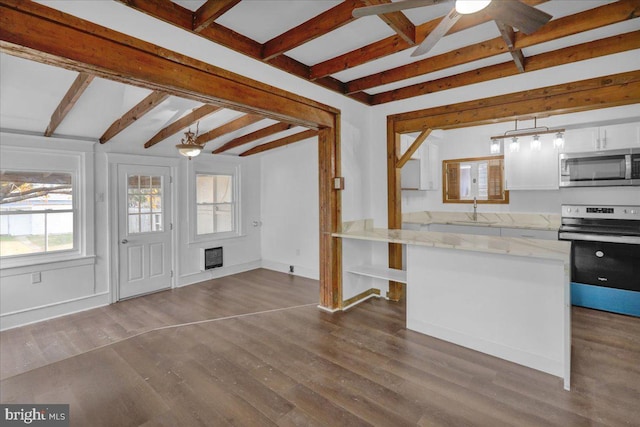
<point>600,168</point>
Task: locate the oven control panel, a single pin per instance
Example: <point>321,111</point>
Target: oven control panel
<point>612,212</point>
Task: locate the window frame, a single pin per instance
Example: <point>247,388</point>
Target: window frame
<point>28,159</point>
<point>234,172</point>
<point>45,212</point>
<point>448,173</point>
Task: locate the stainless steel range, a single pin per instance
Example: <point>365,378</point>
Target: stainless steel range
<point>605,255</point>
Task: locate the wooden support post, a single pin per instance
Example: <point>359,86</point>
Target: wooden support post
<point>330,218</point>
<point>394,204</point>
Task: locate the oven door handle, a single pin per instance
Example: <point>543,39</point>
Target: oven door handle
<point>633,240</point>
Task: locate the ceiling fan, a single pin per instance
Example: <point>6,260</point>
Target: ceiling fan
<point>510,12</point>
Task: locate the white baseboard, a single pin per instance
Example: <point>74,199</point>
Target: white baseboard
<point>284,268</point>
<point>202,276</point>
<point>51,311</point>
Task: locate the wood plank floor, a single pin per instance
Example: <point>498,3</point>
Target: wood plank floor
<point>292,364</point>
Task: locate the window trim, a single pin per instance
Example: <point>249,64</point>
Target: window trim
<point>79,163</point>
<point>489,200</point>
<point>74,210</point>
<point>234,172</point>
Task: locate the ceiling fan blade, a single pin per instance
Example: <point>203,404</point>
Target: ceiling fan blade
<point>519,15</point>
<point>438,32</point>
<point>380,9</point>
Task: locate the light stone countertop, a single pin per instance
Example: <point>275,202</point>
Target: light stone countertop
<point>486,219</point>
<point>536,248</point>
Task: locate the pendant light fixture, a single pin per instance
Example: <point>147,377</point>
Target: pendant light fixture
<point>189,146</point>
<point>514,147</point>
<point>495,146</point>
<point>536,145</point>
<point>535,132</point>
<point>558,141</point>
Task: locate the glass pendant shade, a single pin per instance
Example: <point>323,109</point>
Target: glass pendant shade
<point>189,150</point>
<point>514,146</point>
<point>465,7</point>
<point>495,146</point>
<point>536,144</point>
<point>558,141</point>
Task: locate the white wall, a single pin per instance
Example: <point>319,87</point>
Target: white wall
<point>88,279</point>
<point>290,214</point>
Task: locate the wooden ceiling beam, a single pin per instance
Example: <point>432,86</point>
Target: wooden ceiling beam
<point>253,136</point>
<point>182,123</point>
<point>397,21</point>
<point>281,142</point>
<point>394,44</point>
<point>79,85</point>
<point>179,16</point>
<point>143,107</point>
<point>232,126</point>
<point>509,37</point>
<point>165,10</point>
<point>210,11</point>
<point>36,32</point>
<point>562,27</point>
<point>581,52</point>
<point>599,92</point>
<point>315,27</point>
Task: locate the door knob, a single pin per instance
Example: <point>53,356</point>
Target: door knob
<point>124,241</point>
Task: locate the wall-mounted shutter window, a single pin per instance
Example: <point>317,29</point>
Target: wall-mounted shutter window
<point>495,187</point>
<point>453,181</point>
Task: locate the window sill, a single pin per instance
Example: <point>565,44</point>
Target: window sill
<point>214,238</point>
<point>16,267</point>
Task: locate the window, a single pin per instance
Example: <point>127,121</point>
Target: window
<point>37,212</point>
<point>144,194</point>
<point>481,178</point>
<point>216,204</point>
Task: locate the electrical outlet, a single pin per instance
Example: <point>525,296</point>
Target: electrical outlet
<point>36,277</point>
<point>291,269</point>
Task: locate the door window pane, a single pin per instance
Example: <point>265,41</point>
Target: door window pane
<point>144,204</point>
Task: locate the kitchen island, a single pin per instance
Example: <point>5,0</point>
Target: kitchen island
<point>507,297</point>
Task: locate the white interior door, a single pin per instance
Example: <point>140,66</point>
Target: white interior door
<point>144,229</point>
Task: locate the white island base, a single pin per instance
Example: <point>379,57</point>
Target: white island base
<point>513,307</point>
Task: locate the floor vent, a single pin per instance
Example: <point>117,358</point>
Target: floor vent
<point>211,258</point>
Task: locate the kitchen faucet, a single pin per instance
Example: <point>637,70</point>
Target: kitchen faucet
<point>475,209</point>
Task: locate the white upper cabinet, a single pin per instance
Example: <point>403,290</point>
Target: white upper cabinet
<point>619,136</point>
<point>421,171</point>
<point>609,137</point>
<point>529,169</point>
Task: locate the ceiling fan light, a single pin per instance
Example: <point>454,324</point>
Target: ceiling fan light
<point>465,7</point>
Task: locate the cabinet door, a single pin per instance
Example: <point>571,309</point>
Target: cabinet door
<point>625,135</point>
<point>576,140</point>
<point>527,169</point>
<point>411,175</point>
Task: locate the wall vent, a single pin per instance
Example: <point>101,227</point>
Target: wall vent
<point>210,258</point>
